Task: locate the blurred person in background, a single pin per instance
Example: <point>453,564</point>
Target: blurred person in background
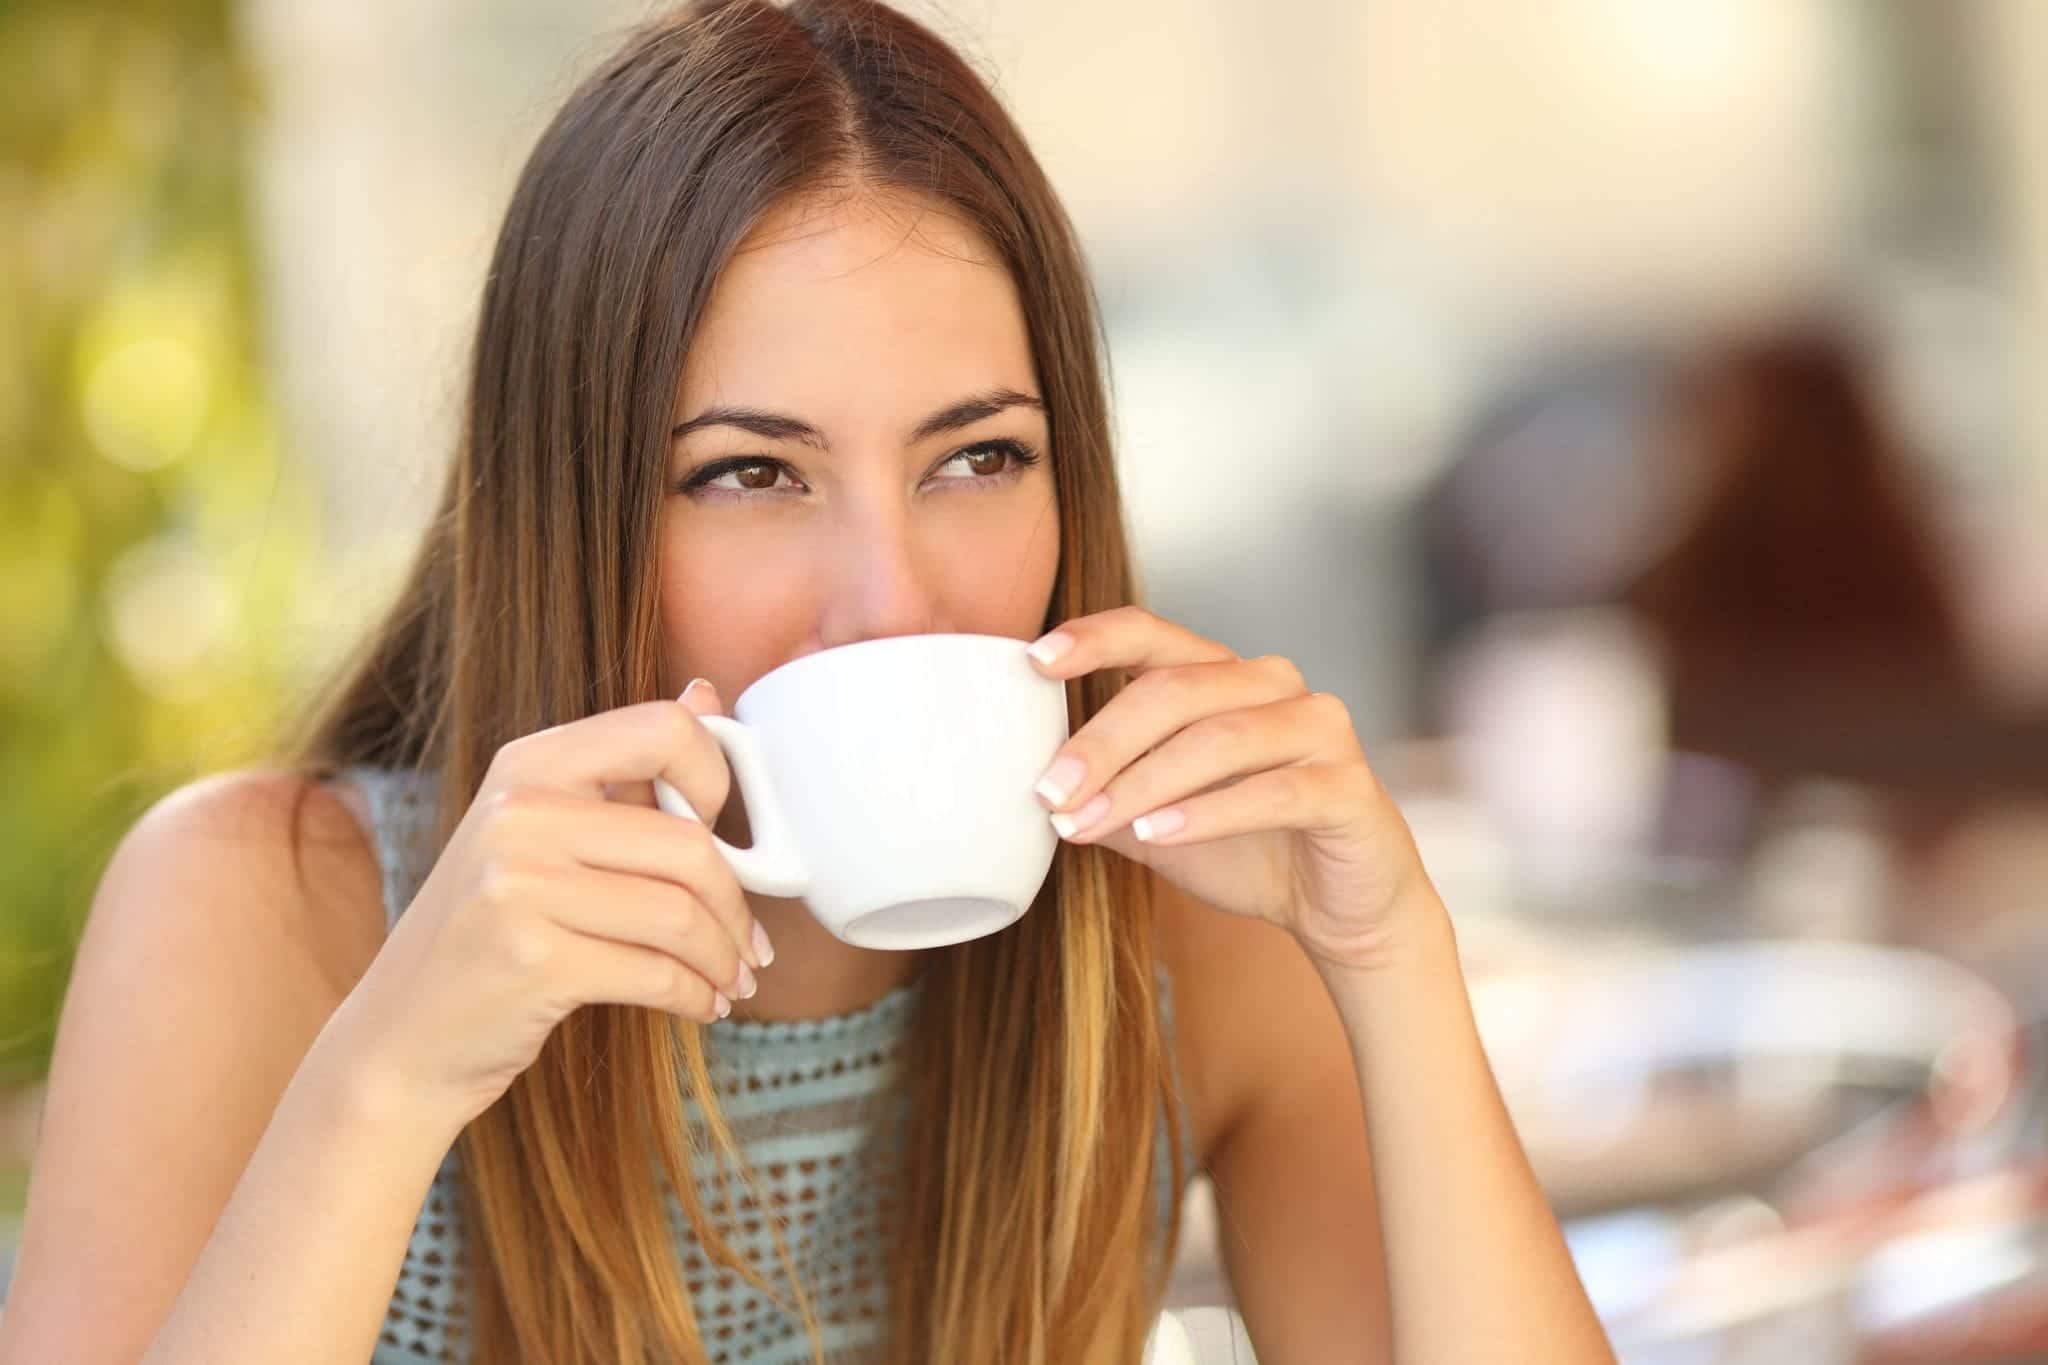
<point>1750,506</point>
<point>1810,621</point>
<point>1805,610</point>
<point>1742,536</point>
<point>786,344</point>
<point>1811,624</point>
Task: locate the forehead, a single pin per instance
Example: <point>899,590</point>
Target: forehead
<point>857,302</point>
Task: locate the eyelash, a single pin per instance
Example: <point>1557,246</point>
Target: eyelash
<point>1022,458</point>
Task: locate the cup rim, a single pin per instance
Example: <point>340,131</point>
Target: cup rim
<point>980,638</point>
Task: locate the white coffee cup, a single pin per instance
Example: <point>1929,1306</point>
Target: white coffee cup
<point>888,783</point>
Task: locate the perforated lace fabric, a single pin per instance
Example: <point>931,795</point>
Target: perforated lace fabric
<point>815,1109</point>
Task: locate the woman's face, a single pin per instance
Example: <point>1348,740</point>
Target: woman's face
<point>858,417</point>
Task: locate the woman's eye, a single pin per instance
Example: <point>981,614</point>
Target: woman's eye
<point>757,478</point>
<point>990,460</point>
<point>749,476</point>
<point>979,463</point>
<point>986,462</point>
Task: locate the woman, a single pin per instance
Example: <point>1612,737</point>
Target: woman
<point>786,344</point>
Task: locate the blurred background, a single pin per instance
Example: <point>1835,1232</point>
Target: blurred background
<point>1631,408</point>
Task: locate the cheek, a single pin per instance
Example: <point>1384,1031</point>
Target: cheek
<point>1010,559</point>
<point>723,608</point>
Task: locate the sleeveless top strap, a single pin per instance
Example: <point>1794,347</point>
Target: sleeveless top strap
<point>401,810</point>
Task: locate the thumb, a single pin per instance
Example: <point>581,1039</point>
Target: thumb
<point>702,698</point>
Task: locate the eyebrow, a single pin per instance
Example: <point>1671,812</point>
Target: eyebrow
<point>776,426</point>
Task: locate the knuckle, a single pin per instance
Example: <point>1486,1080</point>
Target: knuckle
<point>1336,709</point>
<point>511,757</point>
<point>674,723</point>
<point>694,847</point>
<point>515,800</point>
<point>731,916</point>
<point>708,795</point>
<point>1298,794</point>
<point>707,871</point>
<point>1283,800</point>
<point>506,817</point>
<point>661,983</point>
<point>525,947</point>
<point>1282,668</point>
<point>685,736</point>
<point>1161,686</point>
<point>1228,729</point>
<point>689,991</point>
<point>502,882</point>
<point>685,919</point>
<point>706,890</point>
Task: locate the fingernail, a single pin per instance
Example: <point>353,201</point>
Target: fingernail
<point>1070,825</point>
<point>764,951</point>
<point>1060,780</point>
<point>1158,824</point>
<point>744,986</point>
<point>695,683</point>
<point>721,1004</point>
<point>1049,648</point>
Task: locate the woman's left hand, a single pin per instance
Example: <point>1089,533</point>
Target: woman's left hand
<point>1234,782</point>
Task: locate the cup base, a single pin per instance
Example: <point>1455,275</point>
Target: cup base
<point>930,924</point>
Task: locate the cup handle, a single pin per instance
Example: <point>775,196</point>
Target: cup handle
<point>771,867</point>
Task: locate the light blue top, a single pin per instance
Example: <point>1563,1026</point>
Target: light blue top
<point>814,1107</point>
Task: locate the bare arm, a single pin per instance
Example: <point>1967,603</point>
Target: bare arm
<point>216,1007</point>
<point>1407,1228</point>
<point>1297,1218</point>
<point>304,1258</point>
<point>1294,1187</point>
<point>201,981</point>
<point>1477,1268</point>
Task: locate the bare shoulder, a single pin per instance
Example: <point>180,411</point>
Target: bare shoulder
<point>1252,1017</point>
<point>231,920</point>
<point>283,861</point>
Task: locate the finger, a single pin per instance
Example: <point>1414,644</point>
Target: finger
<point>649,913</point>
<point>1314,797</point>
<point>610,836</point>
<point>1159,705</point>
<point>599,971</point>
<point>702,699</point>
<point>628,744</point>
<point>1130,638</point>
<point>1215,749</point>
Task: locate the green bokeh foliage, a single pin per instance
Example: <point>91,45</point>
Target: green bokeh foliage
<point>153,538</point>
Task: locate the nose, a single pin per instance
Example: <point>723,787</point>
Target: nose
<point>880,580</point>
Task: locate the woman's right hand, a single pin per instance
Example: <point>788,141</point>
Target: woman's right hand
<point>550,896</point>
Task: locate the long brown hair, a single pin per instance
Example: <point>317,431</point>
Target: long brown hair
<point>1038,1070</point>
